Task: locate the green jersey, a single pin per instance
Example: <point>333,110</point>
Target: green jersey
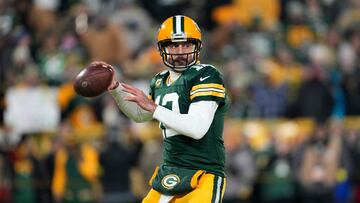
<point>198,83</point>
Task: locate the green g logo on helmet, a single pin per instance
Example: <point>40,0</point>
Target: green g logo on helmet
<point>170,181</point>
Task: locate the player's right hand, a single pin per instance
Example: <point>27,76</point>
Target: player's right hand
<point>114,83</point>
<point>139,97</point>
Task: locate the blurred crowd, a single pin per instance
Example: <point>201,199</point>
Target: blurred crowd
<point>291,69</point>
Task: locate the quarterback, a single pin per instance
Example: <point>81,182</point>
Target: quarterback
<point>189,101</point>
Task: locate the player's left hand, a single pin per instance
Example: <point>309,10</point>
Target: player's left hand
<point>139,97</point>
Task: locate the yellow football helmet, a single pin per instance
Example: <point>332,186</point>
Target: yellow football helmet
<point>175,29</point>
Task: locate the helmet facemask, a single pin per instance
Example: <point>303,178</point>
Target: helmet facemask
<point>168,58</point>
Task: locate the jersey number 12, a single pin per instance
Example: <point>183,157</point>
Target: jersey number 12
<point>174,99</point>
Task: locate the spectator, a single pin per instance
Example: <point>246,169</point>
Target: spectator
<point>240,169</point>
<point>298,33</point>
<point>277,179</point>
<point>351,71</point>
<point>76,173</point>
<point>268,99</point>
<point>40,175</point>
<point>51,59</point>
<point>105,41</point>
<point>42,17</point>
<point>353,140</point>
<point>314,99</point>
<point>135,23</point>
<point>284,69</point>
<point>23,169</point>
<point>319,163</point>
<point>116,180</point>
<point>5,177</point>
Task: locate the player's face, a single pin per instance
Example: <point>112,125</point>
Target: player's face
<point>181,53</point>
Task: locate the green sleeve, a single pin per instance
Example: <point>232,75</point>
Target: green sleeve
<point>207,85</point>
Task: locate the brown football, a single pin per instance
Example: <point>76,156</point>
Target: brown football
<point>93,80</point>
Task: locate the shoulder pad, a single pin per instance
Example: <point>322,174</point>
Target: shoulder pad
<point>161,73</point>
<point>203,66</point>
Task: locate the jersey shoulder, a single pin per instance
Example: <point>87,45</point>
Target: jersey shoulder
<point>204,72</point>
<point>158,78</point>
<point>206,83</point>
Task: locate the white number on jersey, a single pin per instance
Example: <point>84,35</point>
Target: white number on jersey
<point>174,99</point>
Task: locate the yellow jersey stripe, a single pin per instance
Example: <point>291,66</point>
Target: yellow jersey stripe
<point>206,90</point>
<point>209,93</point>
<point>208,85</point>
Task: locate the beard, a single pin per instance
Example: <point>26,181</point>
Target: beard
<point>181,60</point>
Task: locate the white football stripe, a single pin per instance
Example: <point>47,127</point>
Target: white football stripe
<point>165,198</point>
<point>217,197</point>
<point>178,24</point>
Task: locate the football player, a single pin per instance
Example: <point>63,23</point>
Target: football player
<point>189,101</point>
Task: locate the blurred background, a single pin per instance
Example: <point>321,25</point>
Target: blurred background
<point>291,68</point>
